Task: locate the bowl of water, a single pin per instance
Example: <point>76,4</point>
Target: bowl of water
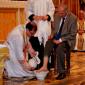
<point>41,75</point>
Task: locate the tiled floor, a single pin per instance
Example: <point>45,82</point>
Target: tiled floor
<point>77,76</point>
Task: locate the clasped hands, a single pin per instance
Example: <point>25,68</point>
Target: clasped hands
<point>38,18</point>
<point>56,41</point>
<point>80,31</point>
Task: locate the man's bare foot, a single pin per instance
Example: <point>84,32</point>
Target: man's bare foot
<point>42,69</point>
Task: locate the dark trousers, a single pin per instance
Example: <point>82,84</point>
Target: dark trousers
<point>62,52</point>
<point>37,47</point>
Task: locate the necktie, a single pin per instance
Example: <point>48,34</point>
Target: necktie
<point>61,25</point>
<point>58,35</point>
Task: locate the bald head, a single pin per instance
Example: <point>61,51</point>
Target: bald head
<point>62,10</point>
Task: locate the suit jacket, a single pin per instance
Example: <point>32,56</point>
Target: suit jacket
<point>69,29</point>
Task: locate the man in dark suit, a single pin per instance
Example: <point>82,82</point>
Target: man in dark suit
<point>63,40</point>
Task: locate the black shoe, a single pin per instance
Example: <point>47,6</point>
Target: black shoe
<point>61,76</point>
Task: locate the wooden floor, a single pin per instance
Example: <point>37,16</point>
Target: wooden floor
<point>77,75</point>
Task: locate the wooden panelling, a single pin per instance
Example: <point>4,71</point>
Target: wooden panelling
<point>7,22</point>
<point>11,14</point>
<point>9,18</point>
<point>56,2</point>
<point>22,16</point>
<point>73,5</point>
